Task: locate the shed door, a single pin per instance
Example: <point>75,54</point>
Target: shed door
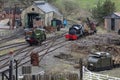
<point>30,17</point>
<point>112,24</point>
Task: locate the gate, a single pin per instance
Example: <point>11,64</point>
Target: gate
<point>88,75</point>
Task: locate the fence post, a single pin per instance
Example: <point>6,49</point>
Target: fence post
<point>2,76</point>
<point>16,69</point>
<point>81,70</point>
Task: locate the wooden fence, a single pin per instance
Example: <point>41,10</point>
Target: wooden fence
<point>87,75</point>
<point>69,76</point>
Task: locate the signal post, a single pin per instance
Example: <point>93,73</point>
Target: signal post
<point>11,68</point>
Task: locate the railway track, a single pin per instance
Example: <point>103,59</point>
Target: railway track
<point>5,61</point>
<point>12,45</point>
<point>19,44</point>
<point>14,35</point>
<point>22,55</point>
<point>43,52</point>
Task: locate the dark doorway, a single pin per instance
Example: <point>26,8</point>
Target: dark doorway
<point>112,24</point>
<point>30,17</point>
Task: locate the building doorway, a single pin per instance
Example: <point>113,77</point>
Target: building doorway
<point>30,17</point>
<point>112,24</point>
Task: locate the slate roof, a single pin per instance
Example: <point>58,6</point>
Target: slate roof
<point>46,7</point>
<point>118,14</point>
<point>114,15</point>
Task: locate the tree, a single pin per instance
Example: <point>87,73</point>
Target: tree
<point>1,4</point>
<point>67,7</point>
<point>103,9</point>
<point>51,1</point>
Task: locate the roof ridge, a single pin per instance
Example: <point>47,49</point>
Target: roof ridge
<point>117,13</point>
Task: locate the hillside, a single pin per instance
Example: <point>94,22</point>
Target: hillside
<point>72,8</point>
<point>79,8</point>
<point>84,4</point>
<point>88,4</point>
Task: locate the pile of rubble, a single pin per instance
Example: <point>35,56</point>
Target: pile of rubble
<point>99,42</point>
<point>99,39</point>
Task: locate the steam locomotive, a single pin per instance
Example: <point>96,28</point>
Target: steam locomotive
<point>75,32</point>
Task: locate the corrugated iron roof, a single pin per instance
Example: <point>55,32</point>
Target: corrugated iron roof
<point>113,15</point>
<point>46,7</point>
<point>117,13</point>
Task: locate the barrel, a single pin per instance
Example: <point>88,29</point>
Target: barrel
<point>34,59</point>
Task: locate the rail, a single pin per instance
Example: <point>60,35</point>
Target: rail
<point>7,33</point>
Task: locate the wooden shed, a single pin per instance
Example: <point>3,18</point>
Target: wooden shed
<point>112,22</point>
<point>43,9</point>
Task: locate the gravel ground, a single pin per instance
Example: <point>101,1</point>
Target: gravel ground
<point>52,64</point>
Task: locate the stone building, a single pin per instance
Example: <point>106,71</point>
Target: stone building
<point>112,22</point>
<point>42,9</point>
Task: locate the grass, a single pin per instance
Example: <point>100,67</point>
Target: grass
<point>88,4</point>
<point>12,41</point>
<point>10,49</point>
<point>7,51</point>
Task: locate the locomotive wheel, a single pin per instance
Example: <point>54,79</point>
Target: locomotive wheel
<point>91,68</point>
<point>30,44</point>
<point>40,43</point>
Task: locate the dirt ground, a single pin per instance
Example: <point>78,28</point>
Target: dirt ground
<point>66,58</point>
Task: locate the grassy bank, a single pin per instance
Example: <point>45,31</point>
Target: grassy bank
<point>88,4</point>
